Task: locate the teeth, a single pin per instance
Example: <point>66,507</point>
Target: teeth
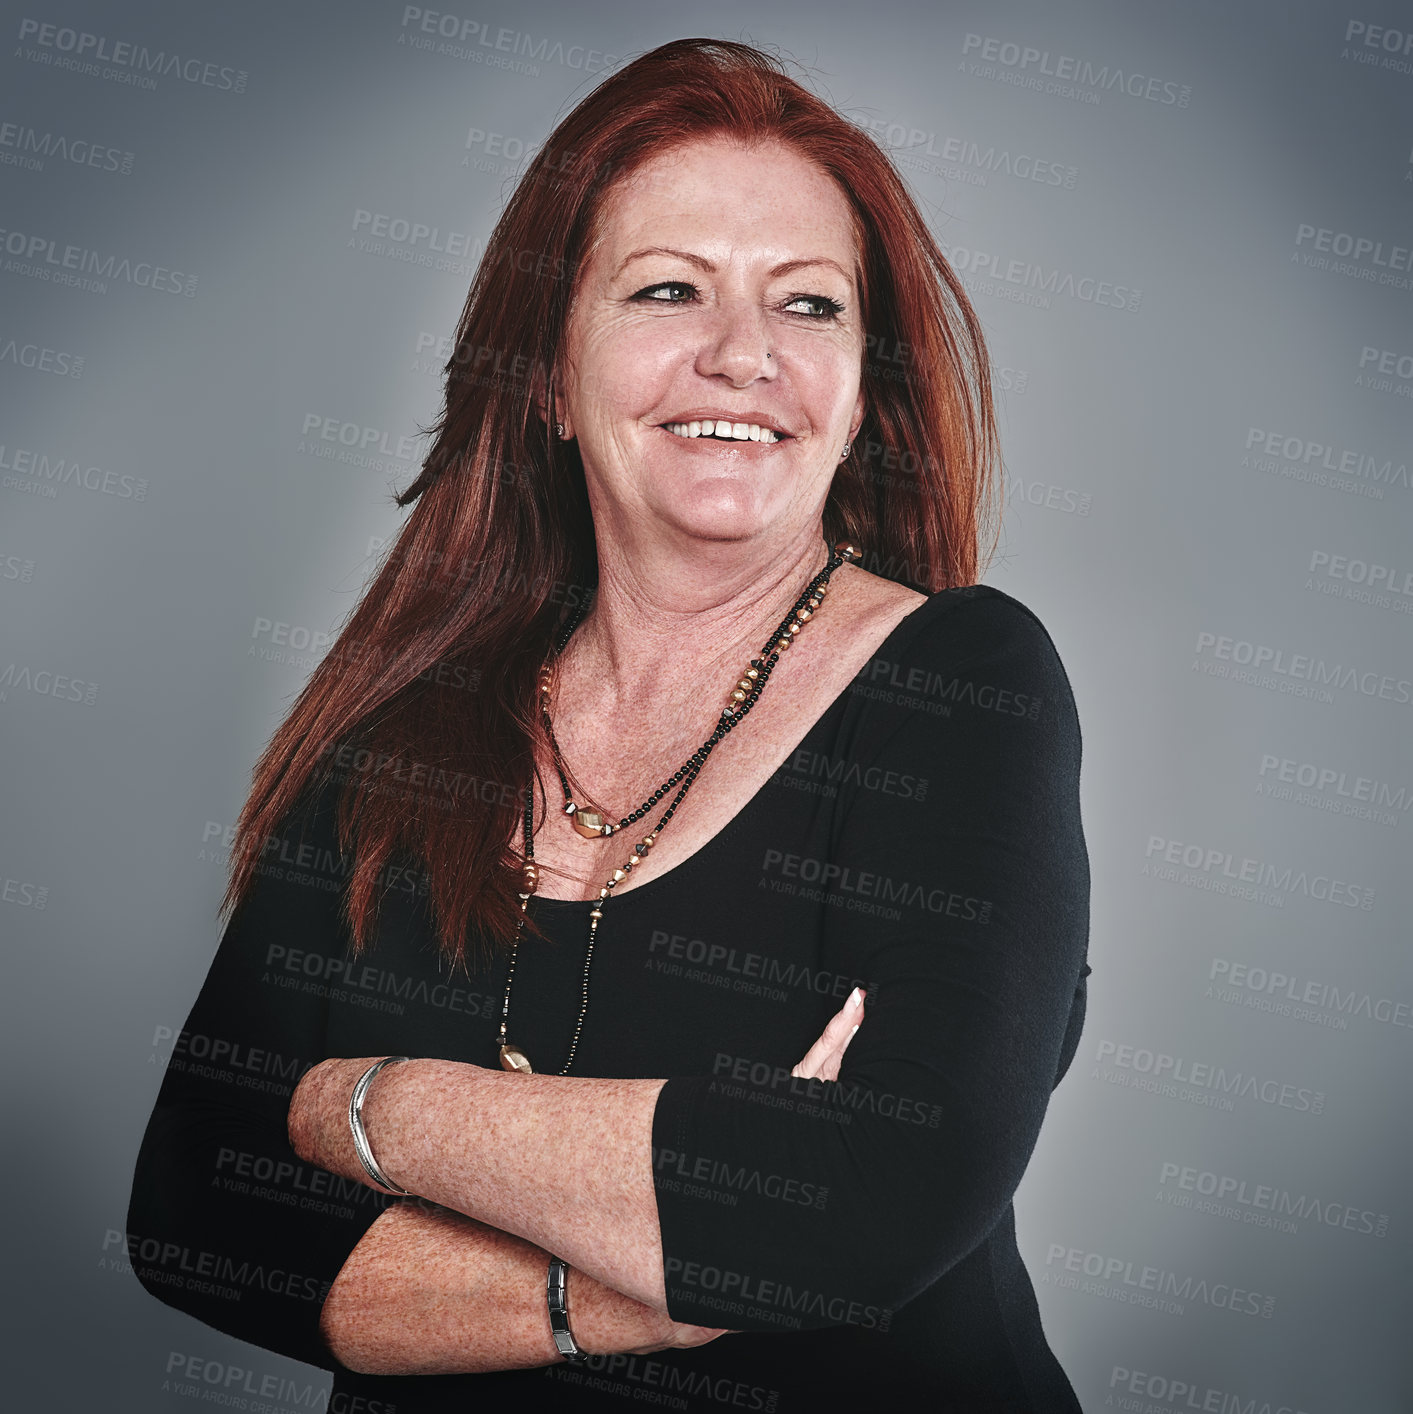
<point>725,431</point>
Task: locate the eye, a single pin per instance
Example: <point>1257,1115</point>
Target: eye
<point>668,292</point>
<point>819,306</point>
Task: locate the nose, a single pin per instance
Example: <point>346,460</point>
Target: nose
<point>737,346</point>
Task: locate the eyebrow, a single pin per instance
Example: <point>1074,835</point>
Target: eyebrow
<point>702,263</point>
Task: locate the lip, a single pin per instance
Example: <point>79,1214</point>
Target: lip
<point>761,419</point>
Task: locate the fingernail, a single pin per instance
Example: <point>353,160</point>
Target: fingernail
<point>851,1033</point>
<point>856,996</point>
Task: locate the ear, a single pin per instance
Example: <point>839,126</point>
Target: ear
<point>550,404</point>
<point>856,421</point>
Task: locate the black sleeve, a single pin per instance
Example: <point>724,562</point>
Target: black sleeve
<point>969,917</point>
<point>224,1222</point>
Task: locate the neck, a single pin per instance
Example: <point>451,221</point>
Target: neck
<point>682,614</point>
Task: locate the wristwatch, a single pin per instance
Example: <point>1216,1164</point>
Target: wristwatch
<point>555,1289</point>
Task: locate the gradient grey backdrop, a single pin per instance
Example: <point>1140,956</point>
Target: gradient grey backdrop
<point>1209,507</point>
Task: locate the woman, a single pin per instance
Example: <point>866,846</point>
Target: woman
<point>519,842</point>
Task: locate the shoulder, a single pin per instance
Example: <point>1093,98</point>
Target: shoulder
<point>975,650</point>
<point>976,616</point>
<point>976,621</point>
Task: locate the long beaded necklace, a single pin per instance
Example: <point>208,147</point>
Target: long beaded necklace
<point>592,825</point>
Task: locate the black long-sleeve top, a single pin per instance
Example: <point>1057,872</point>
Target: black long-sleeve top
<point>923,841</point>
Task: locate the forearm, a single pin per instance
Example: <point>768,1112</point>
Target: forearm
<point>563,1162</point>
<point>428,1292</point>
<point>431,1292</point>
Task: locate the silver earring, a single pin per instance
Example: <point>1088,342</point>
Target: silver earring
<point>845,457</point>
<point>559,430</point>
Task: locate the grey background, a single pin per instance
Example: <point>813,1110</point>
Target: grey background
<point>1138,521</point>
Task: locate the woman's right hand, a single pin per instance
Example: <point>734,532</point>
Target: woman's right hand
<point>822,1060</point>
<point>605,1322</point>
<point>608,1323</point>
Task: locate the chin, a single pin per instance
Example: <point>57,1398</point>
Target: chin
<point>714,514</point>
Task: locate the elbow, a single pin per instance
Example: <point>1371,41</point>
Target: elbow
<point>888,1242</point>
<point>148,1243</point>
<point>351,1330</point>
<point>338,1334</point>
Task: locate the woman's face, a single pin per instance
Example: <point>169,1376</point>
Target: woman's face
<point>721,290</point>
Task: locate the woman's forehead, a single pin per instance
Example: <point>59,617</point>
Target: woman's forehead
<point>722,194</point>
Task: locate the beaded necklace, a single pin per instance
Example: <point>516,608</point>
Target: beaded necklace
<point>591,824</point>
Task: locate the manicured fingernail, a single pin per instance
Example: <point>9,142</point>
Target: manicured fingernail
<point>856,996</point>
<point>851,1033</point>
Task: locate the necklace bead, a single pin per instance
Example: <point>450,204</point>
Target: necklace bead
<point>591,823</point>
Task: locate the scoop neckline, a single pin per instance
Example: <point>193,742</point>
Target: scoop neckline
<point>540,902</point>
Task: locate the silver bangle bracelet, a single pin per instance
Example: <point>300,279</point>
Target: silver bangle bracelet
<point>360,1135</point>
<point>556,1288</point>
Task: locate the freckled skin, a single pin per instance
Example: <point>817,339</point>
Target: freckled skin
<point>633,361</point>
<point>709,258</point>
<point>714,537</point>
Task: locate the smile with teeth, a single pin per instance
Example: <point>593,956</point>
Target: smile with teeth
<point>724,431</point>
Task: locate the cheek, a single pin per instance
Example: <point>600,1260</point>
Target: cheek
<point>624,368</point>
<point>828,383</point>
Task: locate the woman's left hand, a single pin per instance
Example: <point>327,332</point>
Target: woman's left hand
<point>823,1059</point>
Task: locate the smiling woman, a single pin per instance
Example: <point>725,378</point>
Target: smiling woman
<point>722,294</point>
<point>824,1024</point>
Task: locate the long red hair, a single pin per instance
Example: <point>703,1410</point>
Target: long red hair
<point>425,706</point>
